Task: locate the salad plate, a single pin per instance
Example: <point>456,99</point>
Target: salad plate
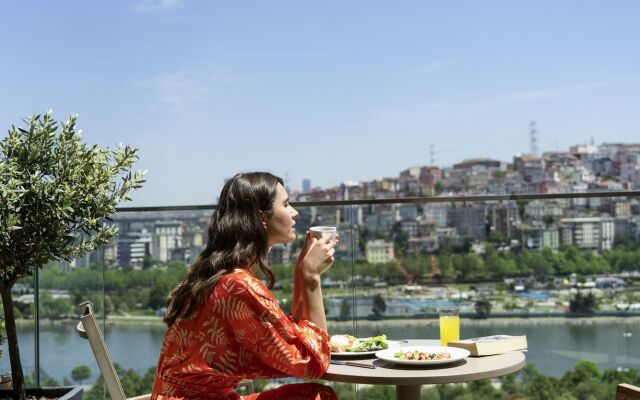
<point>367,346</point>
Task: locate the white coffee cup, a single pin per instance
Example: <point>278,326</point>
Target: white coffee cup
<point>319,231</point>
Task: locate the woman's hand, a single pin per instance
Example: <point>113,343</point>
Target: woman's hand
<point>316,256</point>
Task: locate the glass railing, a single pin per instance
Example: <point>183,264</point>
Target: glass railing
<point>560,269</point>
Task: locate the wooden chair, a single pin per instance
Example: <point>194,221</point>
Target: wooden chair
<point>625,391</point>
<point>88,329</point>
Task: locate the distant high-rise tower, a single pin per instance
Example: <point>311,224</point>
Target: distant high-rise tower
<point>306,185</point>
<point>533,138</point>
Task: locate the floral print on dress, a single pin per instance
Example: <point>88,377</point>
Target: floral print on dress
<point>241,332</point>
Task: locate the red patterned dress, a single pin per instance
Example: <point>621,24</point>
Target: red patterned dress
<point>241,332</point>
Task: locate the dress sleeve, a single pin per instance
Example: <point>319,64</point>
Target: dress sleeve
<point>284,346</point>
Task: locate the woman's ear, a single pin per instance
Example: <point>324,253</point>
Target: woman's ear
<point>264,217</point>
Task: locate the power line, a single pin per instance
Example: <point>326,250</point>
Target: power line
<point>533,139</point>
<point>432,154</point>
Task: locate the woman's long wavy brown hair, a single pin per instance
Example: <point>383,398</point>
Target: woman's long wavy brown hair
<point>237,238</point>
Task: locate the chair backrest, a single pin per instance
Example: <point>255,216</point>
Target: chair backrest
<point>625,391</point>
<point>88,328</point>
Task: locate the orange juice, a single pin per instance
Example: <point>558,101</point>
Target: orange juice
<point>449,328</point>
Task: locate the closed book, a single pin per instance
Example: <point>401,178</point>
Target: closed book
<point>488,345</point>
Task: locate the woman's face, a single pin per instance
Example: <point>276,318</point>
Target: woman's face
<point>280,224</point>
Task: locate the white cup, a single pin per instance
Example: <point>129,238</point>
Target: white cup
<point>319,231</point>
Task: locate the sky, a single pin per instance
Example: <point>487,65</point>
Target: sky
<point>328,90</point>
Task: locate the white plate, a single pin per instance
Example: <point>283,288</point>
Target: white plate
<point>456,354</point>
<point>393,345</point>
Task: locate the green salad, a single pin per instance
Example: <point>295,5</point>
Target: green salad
<point>370,344</point>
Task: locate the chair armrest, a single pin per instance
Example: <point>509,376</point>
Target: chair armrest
<point>81,332</point>
<point>624,391</point>
<point>141,397</point>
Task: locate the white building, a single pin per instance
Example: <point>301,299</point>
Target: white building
<point>167,236</point>
<point>596,233</point>
<point>379,251</point>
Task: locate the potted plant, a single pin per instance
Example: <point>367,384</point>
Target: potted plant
<point>55,194</point>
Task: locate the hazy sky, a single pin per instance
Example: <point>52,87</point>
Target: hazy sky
<point>325,90</point>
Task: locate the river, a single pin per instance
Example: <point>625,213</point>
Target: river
<point>555,345</point>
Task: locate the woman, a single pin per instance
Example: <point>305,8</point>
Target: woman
<point>225,324</point>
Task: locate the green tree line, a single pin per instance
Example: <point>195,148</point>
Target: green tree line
<point>128,290</point>
<point>496,265</point>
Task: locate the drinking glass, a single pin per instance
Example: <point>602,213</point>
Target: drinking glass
<point>320,231</point>
<point>449,324</point>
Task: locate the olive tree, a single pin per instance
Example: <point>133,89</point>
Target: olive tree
<point>56,195</point>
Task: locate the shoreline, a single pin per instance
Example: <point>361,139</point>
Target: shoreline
<point>499,321</point>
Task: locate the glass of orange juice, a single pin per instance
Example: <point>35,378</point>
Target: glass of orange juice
<point>449,324</point>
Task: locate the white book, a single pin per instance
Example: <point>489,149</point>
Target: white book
<point>488,345</point>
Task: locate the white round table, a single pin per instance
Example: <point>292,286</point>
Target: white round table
<point>408,379</point>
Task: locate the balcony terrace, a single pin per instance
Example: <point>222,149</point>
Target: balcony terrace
<point>562,269</point>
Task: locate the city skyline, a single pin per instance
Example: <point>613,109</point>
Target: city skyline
<point>206,90</point>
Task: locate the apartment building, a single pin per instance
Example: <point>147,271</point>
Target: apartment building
<point>537,209</point>
<point>167,238</point>
<point>469,221</point>
<point>530,168</point>
<point>379,251</point>
<point>596,233</point>
<point>437,213</point>
<point>133,247</point>
<point>503,218</point>
<point>539,237</point>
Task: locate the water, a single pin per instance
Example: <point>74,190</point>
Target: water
<point>554,347</point>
